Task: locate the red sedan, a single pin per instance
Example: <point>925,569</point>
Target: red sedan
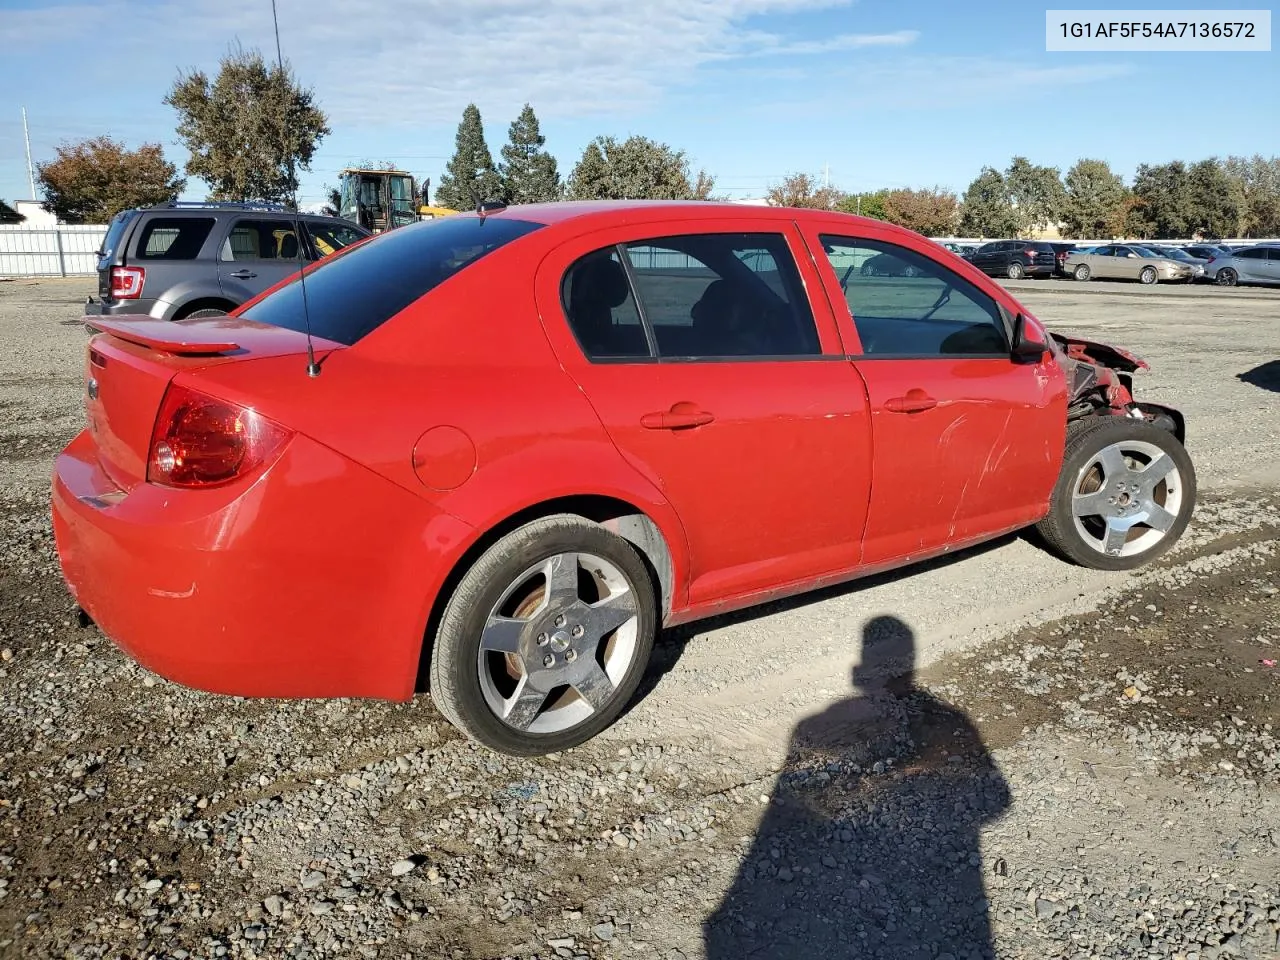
<point>534,436</point>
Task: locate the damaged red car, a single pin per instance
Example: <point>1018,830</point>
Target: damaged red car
<point>534,436</point>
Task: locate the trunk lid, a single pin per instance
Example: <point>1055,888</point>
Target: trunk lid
<point>129,365</point>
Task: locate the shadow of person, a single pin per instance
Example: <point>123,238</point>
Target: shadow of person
<point>870,843</point>
<point>1264,375</point>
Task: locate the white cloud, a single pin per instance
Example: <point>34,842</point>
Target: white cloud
<point>420,61</point>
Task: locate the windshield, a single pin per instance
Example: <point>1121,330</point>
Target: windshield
<point>1149,254</point>
<point>351,295</point>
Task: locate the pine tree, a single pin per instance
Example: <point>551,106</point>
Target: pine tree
<point>471,167</point>
<point>528,172</point>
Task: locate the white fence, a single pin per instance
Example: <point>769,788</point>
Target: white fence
<point>62,251</point>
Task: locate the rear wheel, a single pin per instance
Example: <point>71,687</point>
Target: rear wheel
<point>1014,270</point>
<point>1124,496</point>
<point>1227,277</point>
<point>1082,271</point>
<point>1148,275</point>
<point>205,312</point>
<point>546,637</point>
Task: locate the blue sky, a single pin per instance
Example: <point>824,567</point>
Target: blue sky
<point>885,94</point>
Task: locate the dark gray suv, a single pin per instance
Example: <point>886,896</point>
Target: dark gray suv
<point>172,261</point>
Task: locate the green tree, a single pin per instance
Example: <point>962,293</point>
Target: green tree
<point>1214,207</point>
<point>332,201</point>
<point>802,190</point>
<point>1036,193</point>
<point>636,169</point>
<point>250,130</point>
<point>1255,187</point>
<point>471,174</point>
<point>870,204</point>
<point>93,180</point>
<point>987,209</point>
<point>9,215</point>
<point>930,212</point>
<point>528,171</point>
<point>1163,207</point>
<point>1094,196</point>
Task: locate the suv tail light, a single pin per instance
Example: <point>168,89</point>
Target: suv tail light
<point>126,282</point>
<point>1031,252</point>
<point>200,441</point>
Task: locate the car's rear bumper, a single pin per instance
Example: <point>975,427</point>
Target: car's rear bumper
<point>313,579</point>
<point>1039,269</point>
<point>116,308</point>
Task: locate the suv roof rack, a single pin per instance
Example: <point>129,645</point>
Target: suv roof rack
<point>223,205</point>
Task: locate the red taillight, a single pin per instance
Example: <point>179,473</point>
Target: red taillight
<point>1031,253</point>
<point>200,441</point>
<point>126,282</point>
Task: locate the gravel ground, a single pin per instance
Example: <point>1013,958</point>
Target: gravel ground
<point>996,755</point>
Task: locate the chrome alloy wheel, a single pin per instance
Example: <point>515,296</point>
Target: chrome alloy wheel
<point>558,642</point>
<point>1126,498</point>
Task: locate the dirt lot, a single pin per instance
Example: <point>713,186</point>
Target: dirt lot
<point>1081,764</point>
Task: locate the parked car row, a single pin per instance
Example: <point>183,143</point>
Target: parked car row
<point>1145,262</point>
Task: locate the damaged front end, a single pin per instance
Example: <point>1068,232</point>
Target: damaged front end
<point>1100,384</point>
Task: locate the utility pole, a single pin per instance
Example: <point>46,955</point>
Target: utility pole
<point>31,173</point>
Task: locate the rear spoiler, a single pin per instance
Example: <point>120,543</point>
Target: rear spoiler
<point>165,335</point>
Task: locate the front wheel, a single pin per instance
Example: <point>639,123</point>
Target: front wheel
<point>1014,270</point>
<point>1124,496</point>
<point>545,639</point>
<point>1082,272</point>
<point>1227,277</point>
<point>1148,275</point>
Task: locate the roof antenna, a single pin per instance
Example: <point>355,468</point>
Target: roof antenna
<point>313,368</point>
<point>483,207</point>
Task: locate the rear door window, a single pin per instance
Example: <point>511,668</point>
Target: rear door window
<point>353,294</point>
<point>691,297</point>
<point>172,238</point>
<point>253,239</point>
<point>723,295</point>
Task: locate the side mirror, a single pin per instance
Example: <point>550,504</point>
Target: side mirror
<point>1025,346</point>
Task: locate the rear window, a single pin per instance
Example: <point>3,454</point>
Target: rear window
<point>114,232</point>
<point>173,238</point>
<point>350,296</point>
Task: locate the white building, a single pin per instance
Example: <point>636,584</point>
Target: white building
<point>36,215</point>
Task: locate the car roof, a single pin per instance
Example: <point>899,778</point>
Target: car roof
<point>606,212</point>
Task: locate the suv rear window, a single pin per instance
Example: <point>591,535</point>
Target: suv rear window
<point>114,233</point>
<point>173,238</point>
<point>351,295</point>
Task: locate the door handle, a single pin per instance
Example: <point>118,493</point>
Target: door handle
<point>915,401</point>
<point>681,416</point>
<point>244,274</point>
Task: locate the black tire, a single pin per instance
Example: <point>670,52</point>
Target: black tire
<point>1148,276</point>
<point>201,313</point>
<point>455,673</point>
<point>1014,271</point>
<point>1227,277</point>
<point>1085,440</point>
<point>1082,271</point>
